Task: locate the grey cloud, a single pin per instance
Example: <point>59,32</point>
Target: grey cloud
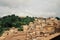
<point>37,8</point>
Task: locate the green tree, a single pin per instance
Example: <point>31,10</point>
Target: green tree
<point>57,18</point>
<point>10,21</point>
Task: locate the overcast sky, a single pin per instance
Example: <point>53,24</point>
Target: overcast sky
<point>45,8</point>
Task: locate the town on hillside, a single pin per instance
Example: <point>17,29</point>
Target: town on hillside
<point>29,28</point>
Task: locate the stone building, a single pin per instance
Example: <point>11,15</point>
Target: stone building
<point>46,27</point>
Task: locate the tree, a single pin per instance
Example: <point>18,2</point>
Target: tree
<point>57,18</point>
<point>10,21</point>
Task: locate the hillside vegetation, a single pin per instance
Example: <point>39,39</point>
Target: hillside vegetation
<point>10,21</point>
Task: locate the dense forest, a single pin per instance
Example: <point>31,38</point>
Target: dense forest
<point>10,21</point>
